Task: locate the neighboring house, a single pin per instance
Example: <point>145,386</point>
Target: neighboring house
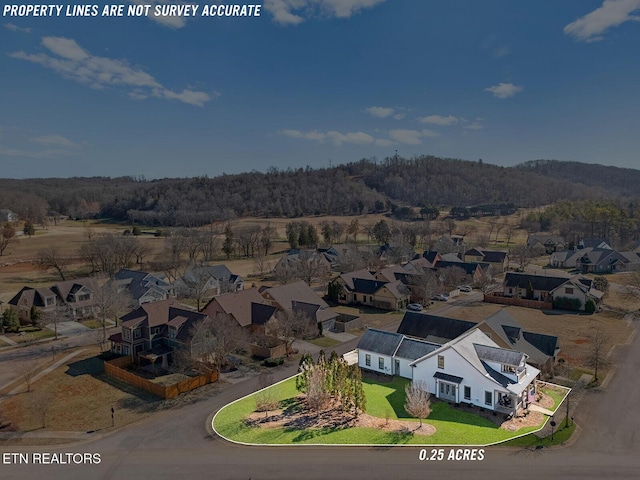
<point>42,299</point>
<point>373,293</point>
<point>154,331</point>
<point>449,258</point>
<point>212,280</point>
<point>473,369</point>
<point>432,328</point>
<point>604,260</point>
<point>542,243</point>
<point>390,353</point>
<point>420,265</point>
<point>388,274</point>
<point>498,260</point>
<point>143,287</point>
<point>541,350</point>
<point>345,285</point>
<point>593,243</point>
<point>396,253</point>
<point>78,295</point>
<point>247,307</point>
<point>549,289</point>
<point>567,258</point>
<point>294,296</point>
<point>472,269</point>
<point>8,216</point>
<point>310,263</point>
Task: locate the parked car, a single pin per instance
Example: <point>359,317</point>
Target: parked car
<point>442,297</point>
<point>465,288</point>
<point>416,307</point>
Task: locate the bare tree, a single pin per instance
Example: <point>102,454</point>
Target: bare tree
<point>40,404</point>
<point>523,256</point>
<point>598,348</point>
<point>109,303</point>
<point>453,276</point>
<point>317,394</point>
<point>485,281</point>
<point>309,266</point>
<point>28,371</point>
<point>290,325</point>
<point>59,313</point>
<point>418,402</point>
<point>6,237</point>
<point>425,285</point>
<point>266,399</point>
<point>197,283</point>
<point>51,258</point>
<point>482,239</point>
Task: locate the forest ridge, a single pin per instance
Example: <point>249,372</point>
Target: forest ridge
<point>364,186</point>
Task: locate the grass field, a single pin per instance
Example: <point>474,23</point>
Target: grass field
<point>324,342</point>
<point>386,400</point>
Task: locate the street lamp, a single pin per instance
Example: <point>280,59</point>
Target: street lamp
<point>113,421</point>
<point>553,424</point>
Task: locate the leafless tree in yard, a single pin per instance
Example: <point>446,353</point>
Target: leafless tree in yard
<point>453,276</point>
<point>28,371</point>
<point>196,281</point>
<point>59,313</point>
<point>109,303</point>
<point>418,402</point>
<point>482,239</point>
<point>51,258</point>
<point>291,325</point>
<point>266,399</point>
<point>40,404</point>
<point>598,349</point>
<point>7,235</point>
<point>522,255</point>
<point>485,281</point>
<point>425,284</point>
<point>317,394</point>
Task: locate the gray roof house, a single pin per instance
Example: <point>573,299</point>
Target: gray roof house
<point>143,287</point>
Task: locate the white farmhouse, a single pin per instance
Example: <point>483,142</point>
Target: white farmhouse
<point>473,369</point>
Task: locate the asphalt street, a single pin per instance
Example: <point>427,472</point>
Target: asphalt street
<point>179,444</point>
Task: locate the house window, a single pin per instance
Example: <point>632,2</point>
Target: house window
<point>381,363</point>
<point>173,332</point>
<point>50,301</point>
<point>440,361</point>
<point>568,290</point>
<point>508,369</point>
<point>155,330</point>
<point>137,333</point>
<point>488,398</point>
<point>467,393</point>
<point>367,359</point>
<point>126,333</point>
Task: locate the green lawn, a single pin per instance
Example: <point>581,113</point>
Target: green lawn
<point>559,437</point>
<point>92,323</point>
<point>557,394</point>
<point>30,334</point>
<point>453,427</point>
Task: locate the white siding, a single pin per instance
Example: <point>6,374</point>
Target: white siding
<point>405,370</point>
<point>454,364</point>
<point>388,362</point>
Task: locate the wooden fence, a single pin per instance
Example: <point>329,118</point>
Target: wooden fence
<point>116,368</point>
<point>519,302</point>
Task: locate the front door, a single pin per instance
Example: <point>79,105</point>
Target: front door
<point>396,370</point>
<point>447,392</point>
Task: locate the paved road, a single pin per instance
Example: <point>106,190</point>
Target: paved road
<point>177,444</point>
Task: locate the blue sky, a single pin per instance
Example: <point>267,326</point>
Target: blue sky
<point>310,82</point>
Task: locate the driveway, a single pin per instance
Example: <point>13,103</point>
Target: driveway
<point>69,329</point>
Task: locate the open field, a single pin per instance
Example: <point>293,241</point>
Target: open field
<point>80,396</point>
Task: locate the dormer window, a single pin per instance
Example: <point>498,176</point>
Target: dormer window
<point>508,369</point>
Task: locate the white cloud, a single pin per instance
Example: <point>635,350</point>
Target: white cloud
<point>429,133</point>
<point>73,62</point>
<point>174,21</point>
<point>440,120</point>
<point>337,138</point>
<point>294,12</point>
<point>504,90</point>
<point>383,142</point>
<point>15,28</point>
<point>380,112</point>
<point>611,14</point>
<point>474,126</point>
<point>501,52</point>
<point>398,116</point>
<point>55,141</point>
<point>411,137</point>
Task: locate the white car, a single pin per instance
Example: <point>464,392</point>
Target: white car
<point>465,288</point>
<point>416,307</point>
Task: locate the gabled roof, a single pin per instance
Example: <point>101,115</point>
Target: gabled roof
<point>397,289</point>
<point>602,256</point>
<point>261,313</point>
<point>430,256</point>
<point>450,258</point>
<point>388,273</point>
<point>433,328</point>
<point>499,355</point>
<point>348,277</point>
<point>537,346</point>
<point>418,265</point>
<point>237,304</point>
<point>379,341</point>
<point>492,256</point>
<point>368,287</point>
<point>412,349</point>
<point>33,296</point>
<point>140,283</point>
<point>150,314</point>
<point>538,282</point>
<point>285,295</point>
<point>468,267</point>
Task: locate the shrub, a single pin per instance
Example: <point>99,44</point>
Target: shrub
<point>273,362</point>
<point>136,230</point>
<point>566,303</point>
<point>590,306</point>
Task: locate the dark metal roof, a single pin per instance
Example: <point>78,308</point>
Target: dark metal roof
<point>368,287</point>
<point>469,267</point>
<point>538,282</point>
<point>425,326</point>
<point>493,256</point>
<point>261,313</point>
<point>414,349</point>
<point>378,341</point>
<point>499,355</point>
<point>547,344</point>
<point>447,378</point>
<point>497,376</point>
